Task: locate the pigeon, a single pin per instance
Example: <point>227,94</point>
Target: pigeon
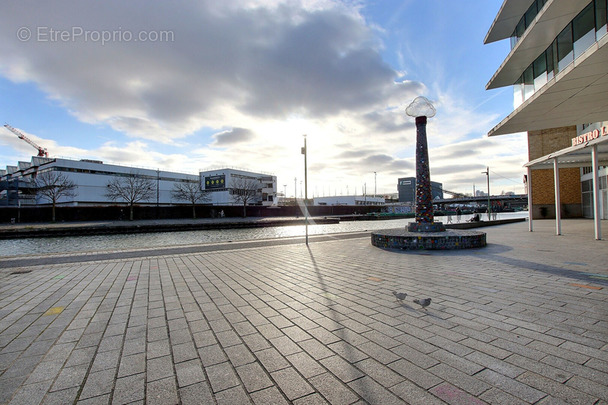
<point>399,295</point>
<point>423,303</point>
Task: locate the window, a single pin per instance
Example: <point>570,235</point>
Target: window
<point>530,14</point>
<point>550,58</point>
<point>526,20</point>
<point>518,93</point>
<point>565,54</point>
<point>528,82</point>
<point>540,71</point>
<point>583,30</point>
<point>600,19</point>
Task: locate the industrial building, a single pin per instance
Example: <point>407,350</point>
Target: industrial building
<point>406,186</point>
<point>91,177</point>
<point>558,67</point>
<point>223,183</point>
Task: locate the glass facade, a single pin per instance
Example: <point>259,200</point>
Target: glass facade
<point>526,20</point>
<point>582,32</point>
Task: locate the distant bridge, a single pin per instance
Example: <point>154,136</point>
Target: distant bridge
<point>515,200</point>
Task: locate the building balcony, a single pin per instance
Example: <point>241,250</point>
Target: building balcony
<point>575,95</point>
<point>539,35</point>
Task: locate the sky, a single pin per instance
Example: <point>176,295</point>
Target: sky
<point>187,86</point>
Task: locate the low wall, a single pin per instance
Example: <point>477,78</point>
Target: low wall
<point>121,212</point>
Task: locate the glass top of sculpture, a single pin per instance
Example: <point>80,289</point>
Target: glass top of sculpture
<point>421,107</point>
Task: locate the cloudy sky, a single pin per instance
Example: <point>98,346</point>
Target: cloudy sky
<point>192,85</point>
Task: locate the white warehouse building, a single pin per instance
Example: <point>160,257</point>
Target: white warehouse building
<point>221,185</point>
<point>92,178</point>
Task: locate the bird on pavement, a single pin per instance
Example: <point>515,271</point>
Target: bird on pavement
<point>399,295</point>
<point>423,303</point>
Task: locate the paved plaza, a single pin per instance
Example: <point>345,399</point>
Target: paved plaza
<point>521,321</point>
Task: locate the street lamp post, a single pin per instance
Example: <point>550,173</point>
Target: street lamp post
<point>305,153</point>
<point>487,173</point>
<point>375,184</point>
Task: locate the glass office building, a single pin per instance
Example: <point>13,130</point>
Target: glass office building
<point>558,69</point>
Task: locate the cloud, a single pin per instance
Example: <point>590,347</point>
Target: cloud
<point>213,65</point>
<point>231,137</point>
<point>268,71</point>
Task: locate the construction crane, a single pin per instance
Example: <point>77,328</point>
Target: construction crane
<point>41,151</point>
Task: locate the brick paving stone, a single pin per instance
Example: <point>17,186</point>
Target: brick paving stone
<point>221,376</point>
<point>189,372</point>
<point>548,371</point>
<point>415,374</point>
<point>454,396</point>
<point>414,395</point>
<point>306,365</point>
<point>291,383</point>
<point>269,396</point>
<point>67,396</point>
<point>374,393</point>
<point>159,368</point>
<point>129,389</point>
<point>271,359</point>
<point>556,389</point>
<point>31,394</point>
<point>315,348</point>
<point>457,362</point>
<point>254,377</point>
<point>459,379</point>
<point>196,394</point>
<point>511,386</point>
<point>513,320</point>
<point>492,363</point>
<point>313,399</point>
<point>162,392</point>
<point>99,400</point>
<point>232,396</point>
<point>98,383</point>
<point>333,389</point>
<point>599,390</point>
<point>341,368</point>
<point>379,372</point>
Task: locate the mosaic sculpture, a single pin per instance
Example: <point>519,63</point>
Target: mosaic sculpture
<point>421,108</point>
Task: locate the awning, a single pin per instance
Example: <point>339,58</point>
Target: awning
<point>591,149</point>
<point>574,156</point>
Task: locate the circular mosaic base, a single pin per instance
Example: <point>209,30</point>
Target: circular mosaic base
<point>447,240</point>
<point>425,227</point>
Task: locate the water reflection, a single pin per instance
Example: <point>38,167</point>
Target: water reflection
<point>98,243</point>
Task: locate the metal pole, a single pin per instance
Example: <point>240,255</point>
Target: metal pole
<point>375,184</point>
<point>530,216</point>
<point>305,151</point>
<point>596,194</point>
<point>558,213</point>
<point>487,173</point>
<point>489,204</point>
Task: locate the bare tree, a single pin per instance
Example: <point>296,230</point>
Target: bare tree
<point>54,185</point>
<point>191,192</point>
<point>244,190</point>
<point>131,189</point>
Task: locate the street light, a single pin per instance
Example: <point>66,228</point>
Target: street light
<point>305,153</point>
<point>487,173</point>
<point>375,184</point>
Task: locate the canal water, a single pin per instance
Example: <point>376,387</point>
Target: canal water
<point>98,243</point>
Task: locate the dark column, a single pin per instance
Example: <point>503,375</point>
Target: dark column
<point>424,198</point>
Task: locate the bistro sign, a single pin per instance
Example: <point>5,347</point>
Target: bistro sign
<point>589,136</point>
